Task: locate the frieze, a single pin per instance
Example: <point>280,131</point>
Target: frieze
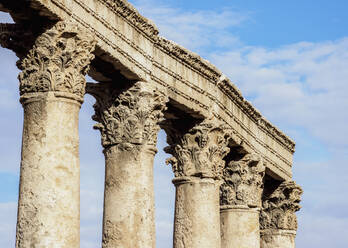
<point>278,209</point>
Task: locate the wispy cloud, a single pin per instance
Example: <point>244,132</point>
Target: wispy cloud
<point>196,30</point>
<point>303,84</point>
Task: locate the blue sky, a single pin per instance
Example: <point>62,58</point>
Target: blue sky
<point>290,60</point>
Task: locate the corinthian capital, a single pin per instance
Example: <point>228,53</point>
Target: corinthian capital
<point>243,182</point>
<point>58,61</point>
<point>278,210</point>
<point>127,116</point>
<point>200,151</point>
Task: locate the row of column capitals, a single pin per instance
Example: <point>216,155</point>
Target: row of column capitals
<point>200,151</point>
<point>243,182</point>
<point>279,208</point>
<point>128,117</point>
<point>57,61</point>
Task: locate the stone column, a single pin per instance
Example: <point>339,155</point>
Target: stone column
<point>197,164</point>
<point>128,121</point>
<point>278,220</point>
<point>52,86</point>
<point>240,202</point>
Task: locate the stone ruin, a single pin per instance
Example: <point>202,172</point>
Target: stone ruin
<point>232,168</point>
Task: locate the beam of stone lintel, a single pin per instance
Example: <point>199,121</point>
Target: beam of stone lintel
<point>240,200</point>
<point>51,95</point>
<point>128,120</point>
<point>197,164</point>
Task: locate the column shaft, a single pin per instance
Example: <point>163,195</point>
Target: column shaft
<point>49,197</point>
<point>129,218</point>
<point>128,120</point>
<point>278,239</point>
<point>197,220</point>
<point>278,219</point>
<point>240,227</point>
<point>241,201</point>
<point>52,86</point>
<point>197,165</point>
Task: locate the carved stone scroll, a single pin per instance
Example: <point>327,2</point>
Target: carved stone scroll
<point>278,210</point>
<point>243,182</point>
<point>58,61</point>
<point>127,117</point>
<point>200,151</point>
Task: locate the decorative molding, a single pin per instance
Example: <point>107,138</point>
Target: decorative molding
<point>128,117</point>
<point>127,11</point>
<point>243,182</point>
<point>58,61</point>
<point>200,151</point>
<point>189,58</point>
<point>278,209</point>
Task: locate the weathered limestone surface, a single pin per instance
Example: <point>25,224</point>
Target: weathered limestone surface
<point>144,78</point>
<point>240,201</point>
<point>278,239</point>
<point>52,86</point>
<point>240,227</point>
<point>128,120</point>
<point>278,220</point>
<point>197,165</point>
<point>196,221</point>
<point>131,43</point>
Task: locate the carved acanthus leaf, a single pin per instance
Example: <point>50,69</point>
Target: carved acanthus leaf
<point>243,182</point>
<point>58,61</point>
<point>200,151</point>
<point>278,210</point>
<point>128,117</point>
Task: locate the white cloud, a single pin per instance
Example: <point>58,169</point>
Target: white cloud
<point>195,30</point>
<point>303,84</point>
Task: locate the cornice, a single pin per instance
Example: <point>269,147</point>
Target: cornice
<point>126,10</point>
<point>202,66</point>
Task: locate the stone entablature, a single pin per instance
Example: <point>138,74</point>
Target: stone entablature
<point>187,79</point>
